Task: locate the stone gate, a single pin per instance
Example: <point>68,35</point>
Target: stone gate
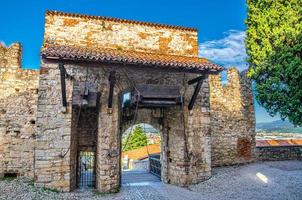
<point>88,63</point>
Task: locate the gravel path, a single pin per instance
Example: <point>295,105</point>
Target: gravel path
<point>262,181</point>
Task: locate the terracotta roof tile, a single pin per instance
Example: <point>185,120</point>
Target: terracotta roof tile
<point>143,152</point>
<point>280,142</point>
<point>120,20</point>
<point>128,57</point>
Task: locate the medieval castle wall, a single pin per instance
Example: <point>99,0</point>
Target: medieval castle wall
<point>186,134</point>
<point>18,105</point>
<point>37,132</point>
<point>232,119</point>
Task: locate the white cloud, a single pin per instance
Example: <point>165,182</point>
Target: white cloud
<point>228,51</point>
<point>2,43</point>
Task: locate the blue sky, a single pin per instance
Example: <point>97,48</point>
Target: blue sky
<point>220,24</point>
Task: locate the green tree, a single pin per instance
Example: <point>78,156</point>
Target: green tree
<point>135,139</point>
<point>274,45</point>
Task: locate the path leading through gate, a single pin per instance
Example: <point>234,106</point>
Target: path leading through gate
<point>138,177</point>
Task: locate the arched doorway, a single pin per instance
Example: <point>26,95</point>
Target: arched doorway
<point>141,154</point>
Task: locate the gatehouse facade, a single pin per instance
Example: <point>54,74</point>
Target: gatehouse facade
<point>99,76</point>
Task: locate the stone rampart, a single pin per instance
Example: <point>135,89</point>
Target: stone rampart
<point>232,119</point>
<point>18,103</point>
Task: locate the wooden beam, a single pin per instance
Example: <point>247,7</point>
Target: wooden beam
<point>194,96</point>
<point>63,83</point>
<point>194,80</point>
<point>112,81</point>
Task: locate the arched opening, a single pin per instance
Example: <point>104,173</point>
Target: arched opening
<point>141,154</point>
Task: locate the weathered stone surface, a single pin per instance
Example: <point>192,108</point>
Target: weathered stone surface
<point>232,119</point>
<point>219,130</point>
<point>93,33</point>
<point>274,153</point>
<point>18,101</point>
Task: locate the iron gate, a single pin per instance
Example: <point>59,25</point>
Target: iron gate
<point>155,165</point>
<point>86,169</point>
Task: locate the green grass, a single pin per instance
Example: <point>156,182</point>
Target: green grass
<point>7,178</point>
<point>49,190</point>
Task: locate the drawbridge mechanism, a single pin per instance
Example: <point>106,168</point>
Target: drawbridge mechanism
<point>156,96</point>
<point>85,94</point>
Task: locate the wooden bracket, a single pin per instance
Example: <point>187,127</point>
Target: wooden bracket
<point>199,81</point>
<point>63,83</point>
<point>112,81</point>
<point>194,80</point>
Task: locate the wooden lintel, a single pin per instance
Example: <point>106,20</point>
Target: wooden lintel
<point>194,96</point>
<point>63,83</point>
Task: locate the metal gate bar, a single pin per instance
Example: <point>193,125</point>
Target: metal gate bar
<point>86,169</point>
<point>155,166</point>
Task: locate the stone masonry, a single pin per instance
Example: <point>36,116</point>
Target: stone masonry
<point>282,152</point>
<point>219,130</point>
<point>232,119</point>
<point>18,103</point>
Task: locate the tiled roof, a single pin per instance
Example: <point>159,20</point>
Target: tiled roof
<point>129,57</point>
<point>120,20</point>
<point>280,142</point>
<point>143,152</point>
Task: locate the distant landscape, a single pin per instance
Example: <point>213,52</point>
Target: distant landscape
<point>278,126</point>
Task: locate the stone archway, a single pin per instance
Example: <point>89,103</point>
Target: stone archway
<point>141,159</point>
<point>153,117</point>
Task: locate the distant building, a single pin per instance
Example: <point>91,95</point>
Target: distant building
<point>138,158</point>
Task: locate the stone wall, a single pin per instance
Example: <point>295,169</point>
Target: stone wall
<point>189,138</point>
<point>18,102</point>
<point>186,134</point>
<point>99,32</point>
<point>53,140</point>
<point>232,119</point>
<point>274,153</point>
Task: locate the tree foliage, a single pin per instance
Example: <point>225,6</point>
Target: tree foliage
<point>274,46</point>
<point>135,139</point>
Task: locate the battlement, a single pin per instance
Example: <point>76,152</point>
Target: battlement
<point>18,105</point>
<point>232,118</point>
<point>10,56</point>
<point>14,79</point>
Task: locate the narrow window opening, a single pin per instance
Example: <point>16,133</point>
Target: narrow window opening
<point>126,100</point>
<point>224,78</point>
